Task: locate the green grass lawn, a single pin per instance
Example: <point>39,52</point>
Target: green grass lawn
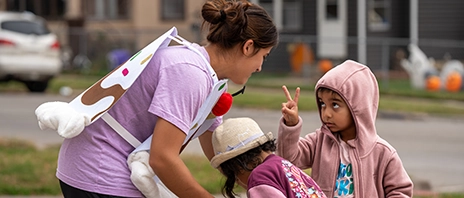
<point>26,170</point>
<point>392,87</point>
<point>264,91</point>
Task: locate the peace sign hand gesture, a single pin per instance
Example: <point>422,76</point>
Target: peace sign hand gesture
<point>290,108</point>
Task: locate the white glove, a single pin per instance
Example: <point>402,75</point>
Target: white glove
<point>142,174</point>
<point>60,117</point>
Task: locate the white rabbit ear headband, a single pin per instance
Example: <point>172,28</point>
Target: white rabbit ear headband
<point>236,136</point>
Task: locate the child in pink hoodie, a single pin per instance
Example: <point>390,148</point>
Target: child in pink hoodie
<point>347,157</point>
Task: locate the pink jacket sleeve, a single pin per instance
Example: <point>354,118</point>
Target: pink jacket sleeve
<point>264,191</point>
<point>299,151</point>
<point>396,181</point>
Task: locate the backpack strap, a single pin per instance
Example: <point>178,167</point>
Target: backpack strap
<point>121,130</point>
<point>189,45</point>
<point>219,87</point>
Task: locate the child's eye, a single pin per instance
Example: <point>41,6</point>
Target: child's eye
<point>336,106</point>
<point>322,104</point>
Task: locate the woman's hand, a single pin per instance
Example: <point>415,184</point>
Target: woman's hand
<point>290,108</point>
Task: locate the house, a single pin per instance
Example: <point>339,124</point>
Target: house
<point>92,28</point>
<point>333,29</point>
<point>378,37</point>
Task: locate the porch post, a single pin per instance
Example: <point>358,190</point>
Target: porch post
<point>278,10</point>
<point>362,31</point>
<point>414,19</point>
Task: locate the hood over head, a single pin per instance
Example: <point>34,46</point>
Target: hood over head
<point>357,85</point>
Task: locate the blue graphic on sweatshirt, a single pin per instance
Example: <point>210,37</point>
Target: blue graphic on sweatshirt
<point>344,186</point>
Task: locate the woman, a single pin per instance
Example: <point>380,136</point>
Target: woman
<point>163,101</point>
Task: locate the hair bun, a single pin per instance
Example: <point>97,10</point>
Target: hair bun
<point>223,15</point>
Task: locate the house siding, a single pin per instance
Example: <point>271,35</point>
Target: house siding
<point>399,28</point>
<point>438,21</point>
<point>352,29</point>
<point>279,60</point>
<point>309,18</point>
<point>441,20</point>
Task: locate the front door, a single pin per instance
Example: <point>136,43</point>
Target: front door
<point>332,29</point>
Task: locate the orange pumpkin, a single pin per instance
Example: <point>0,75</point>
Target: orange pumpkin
<point>325,65</point>
<point>454,82</point>
<point>433,83</point>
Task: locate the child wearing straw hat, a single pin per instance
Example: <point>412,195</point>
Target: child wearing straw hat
<point>244,154</point>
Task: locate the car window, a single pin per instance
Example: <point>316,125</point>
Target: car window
<point>25,27</point>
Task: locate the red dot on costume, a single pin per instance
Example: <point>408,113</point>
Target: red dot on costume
<point>223,105</point>
<point>125,71</point>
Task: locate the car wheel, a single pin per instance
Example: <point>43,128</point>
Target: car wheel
<point>36,86</point>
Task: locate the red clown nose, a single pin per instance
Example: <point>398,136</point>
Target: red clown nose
<point>223,104</point>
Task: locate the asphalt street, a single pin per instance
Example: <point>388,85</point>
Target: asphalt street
<point>431,148</point>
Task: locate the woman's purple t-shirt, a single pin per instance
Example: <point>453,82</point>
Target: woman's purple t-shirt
<point>173,86</point>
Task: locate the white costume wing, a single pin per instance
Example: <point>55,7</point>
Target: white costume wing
<point>102,95</point>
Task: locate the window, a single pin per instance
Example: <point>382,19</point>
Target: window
<point>291,13</point>
<point>331,9</point>
<point>26,27</point>
<point>379,15</point>
<point>106,9</point>
<point>172,10</point>
<point>48,9</point>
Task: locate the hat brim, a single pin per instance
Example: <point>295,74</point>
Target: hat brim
<point>218,159</point>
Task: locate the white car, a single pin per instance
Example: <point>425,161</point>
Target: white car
<point>29,52</point>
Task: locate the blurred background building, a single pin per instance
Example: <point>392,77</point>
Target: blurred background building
<point>374,32</point>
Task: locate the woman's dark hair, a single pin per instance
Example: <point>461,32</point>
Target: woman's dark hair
<point>233,22</point>
<point>244,162</point>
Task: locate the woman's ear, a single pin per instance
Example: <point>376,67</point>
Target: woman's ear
<point>248,48</point>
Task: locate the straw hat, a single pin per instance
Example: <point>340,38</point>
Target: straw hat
<point>236,136</point>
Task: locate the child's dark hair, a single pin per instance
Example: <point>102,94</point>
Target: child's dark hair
<point>232,22</point>
<point>321,90</point>
<point>325,89</point>
<point>244,162</point>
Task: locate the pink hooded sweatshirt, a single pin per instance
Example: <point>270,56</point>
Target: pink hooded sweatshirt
<point>377,168</point>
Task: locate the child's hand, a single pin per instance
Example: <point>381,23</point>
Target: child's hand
<point>290,108</point>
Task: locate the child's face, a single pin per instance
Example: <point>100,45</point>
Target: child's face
<point>335,114</point>
<point>248,64</point>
